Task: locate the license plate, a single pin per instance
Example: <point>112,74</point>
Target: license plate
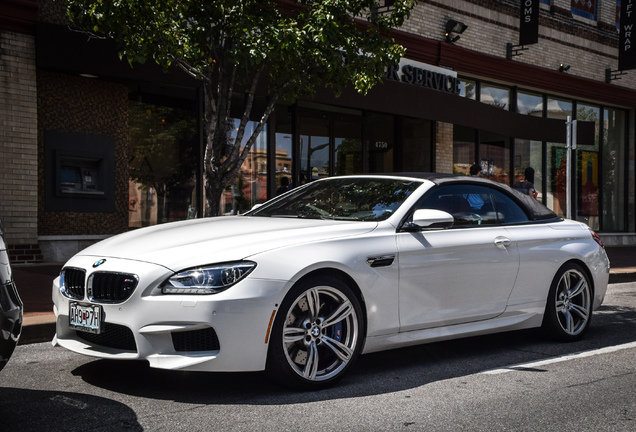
<point>86,318</point>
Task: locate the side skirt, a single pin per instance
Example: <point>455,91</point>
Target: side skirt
<point>522,318</point>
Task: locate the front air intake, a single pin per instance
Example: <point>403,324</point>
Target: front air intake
<point>112,336</point>
<point>195,340</point>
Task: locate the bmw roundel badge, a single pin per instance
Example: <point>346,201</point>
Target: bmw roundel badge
<point>98,263</point>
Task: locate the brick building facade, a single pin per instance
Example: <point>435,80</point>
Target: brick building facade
<point>18,134</point>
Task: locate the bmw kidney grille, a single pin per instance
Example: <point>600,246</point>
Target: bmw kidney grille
<point>101,287</point>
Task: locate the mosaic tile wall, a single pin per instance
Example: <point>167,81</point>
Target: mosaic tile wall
<point>82,105</point>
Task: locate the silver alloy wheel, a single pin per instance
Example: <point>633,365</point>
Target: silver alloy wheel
<point>573,302</point>
<point>320,333</point>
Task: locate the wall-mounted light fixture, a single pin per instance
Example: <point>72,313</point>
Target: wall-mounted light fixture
<point>454,27</point>
<point>563,67</point>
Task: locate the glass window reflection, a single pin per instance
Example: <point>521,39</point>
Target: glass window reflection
<point>530,104</point>
<point>495,96</point>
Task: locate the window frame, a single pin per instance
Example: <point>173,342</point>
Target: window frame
<point>490,191</point>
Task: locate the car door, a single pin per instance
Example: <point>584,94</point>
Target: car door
<point>457,275</point>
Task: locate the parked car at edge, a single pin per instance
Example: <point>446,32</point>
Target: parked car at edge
<point>10,305</point>
<point>302,285</point>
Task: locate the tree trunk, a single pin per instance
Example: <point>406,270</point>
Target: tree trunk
<point>213,193</point>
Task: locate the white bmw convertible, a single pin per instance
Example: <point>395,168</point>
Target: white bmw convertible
<point>302,285</point>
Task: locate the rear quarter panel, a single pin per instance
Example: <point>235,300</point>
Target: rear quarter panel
<point>544,248</point>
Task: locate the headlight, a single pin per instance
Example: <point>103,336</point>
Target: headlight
<point>210,279</point>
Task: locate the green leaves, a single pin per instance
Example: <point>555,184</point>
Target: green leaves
<point>302,45</point>
<point>232,45</point>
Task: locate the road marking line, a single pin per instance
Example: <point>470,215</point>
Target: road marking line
<point>535,364</point>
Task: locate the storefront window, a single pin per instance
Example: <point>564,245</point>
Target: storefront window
<point>250,186</point>
<point>587,173</point>
<point>314,145</point>
<point>495,96</point>
<point>559,108</point>
<point>530,104</point>
<point>284,155</point>
<point>556,185</point>
<point>381,139</point>
<point>416,145</point>
<point>348,143</point>
<point>494,157</point>
<point>463,149</point>
<point>163,158</point>
<point>556,159</point>
<point>614,170</point>
<point>529,154</point>
<point>468,89</point>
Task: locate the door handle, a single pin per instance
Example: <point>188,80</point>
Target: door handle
<point>502,242</point>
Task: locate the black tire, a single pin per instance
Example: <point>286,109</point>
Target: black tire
<point>317,335</point>
<point>568,311</point>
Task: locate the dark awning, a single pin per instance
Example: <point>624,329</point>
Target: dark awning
<point>420,102</point>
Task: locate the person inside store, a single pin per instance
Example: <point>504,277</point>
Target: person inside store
<point>475,200</point>
<point>284,185</point>
<point>526,186</point>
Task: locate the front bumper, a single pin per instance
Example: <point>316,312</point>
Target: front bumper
<point>220,332</point>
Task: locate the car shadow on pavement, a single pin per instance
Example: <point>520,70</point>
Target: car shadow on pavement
<point>37,410</point>
<point>377,373</point>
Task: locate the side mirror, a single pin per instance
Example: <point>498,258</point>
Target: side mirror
<point>432,219</point>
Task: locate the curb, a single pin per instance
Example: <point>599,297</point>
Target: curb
<point>37,328</point>
<point>41,327</point>
<point>623,275</point>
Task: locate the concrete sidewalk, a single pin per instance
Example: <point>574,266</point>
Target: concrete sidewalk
<point>34,285</point>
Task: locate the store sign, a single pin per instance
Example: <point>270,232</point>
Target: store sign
<point>626,47</point>
<point>421,74</point>
<point>529,26</point>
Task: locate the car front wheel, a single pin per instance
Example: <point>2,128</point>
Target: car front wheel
<point>569,307</point>
<point>317,335</point>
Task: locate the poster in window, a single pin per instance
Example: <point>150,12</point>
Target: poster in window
<point>589,183</point>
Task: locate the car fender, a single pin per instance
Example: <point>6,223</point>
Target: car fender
<point>377,285</point>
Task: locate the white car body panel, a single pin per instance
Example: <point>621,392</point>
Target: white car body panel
<point>447,279</point>
<point>540,259</point>
<point>439,284</point>
<point>197,242</point>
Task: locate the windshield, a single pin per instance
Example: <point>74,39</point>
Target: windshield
<point>345,198</point>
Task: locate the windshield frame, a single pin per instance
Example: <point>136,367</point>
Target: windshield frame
<point>346,198</point>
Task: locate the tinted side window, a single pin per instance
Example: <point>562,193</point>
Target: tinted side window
<point>469,205</point>
<point>508,211</point>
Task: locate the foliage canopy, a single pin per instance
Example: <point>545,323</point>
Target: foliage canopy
<point>287,47</point>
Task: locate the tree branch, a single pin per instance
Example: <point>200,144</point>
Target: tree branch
<point>191,70</point>
<point>236,148</point>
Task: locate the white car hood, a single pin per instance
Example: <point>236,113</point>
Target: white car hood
<point>195,242</point>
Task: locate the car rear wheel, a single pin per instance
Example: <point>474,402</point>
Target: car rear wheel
<point>569,308</point>
<point>317,335</point>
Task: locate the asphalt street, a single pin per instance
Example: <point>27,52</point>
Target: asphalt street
<point>516,381</point>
